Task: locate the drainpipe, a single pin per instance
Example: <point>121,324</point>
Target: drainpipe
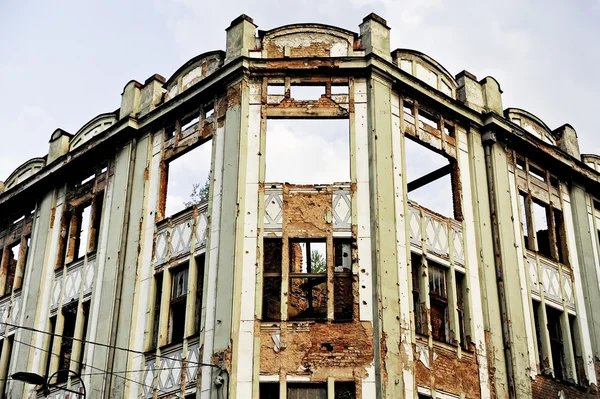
<point>120,269</point>
<point>489,139</point>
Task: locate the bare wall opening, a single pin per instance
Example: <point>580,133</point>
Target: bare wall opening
<point>308,151</point>
<point>429,177</point>
<point>188,179</point>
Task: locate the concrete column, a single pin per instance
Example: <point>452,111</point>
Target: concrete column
<point>389,364</point>
<point>151,93</point>
<point>507,242</point>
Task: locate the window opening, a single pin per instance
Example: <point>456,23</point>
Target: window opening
<point>188,179</point>
<point>11,267</point>
<point>199,292</point>
<point>306,391</point>
<point>342,282</point>
<point>306,92</point>
<point>268,390</point>
<point>340,89</point>
<point>540,218</point>
<point>344,390</point>
<point>416,287</point>
<point>520,163</point>
<point>427,121</point>
<point>191,123</point>
<point>438,297</point>
<point>308,280</point>
<point>275,90</point>
<point>179,287</point>
<point>449,130</point>
<point>524,225</point>
<point>460,304</point>
<point>19,219</point>
<point>579,367</point>
<point>84,230</point>
<point>88,179</point>
<point>559,239</point>
<point>271,304</point>
<point>209,111</point>
<point>158,281</point>
<point>537,173</point>
<point>556,341</point>
<point>66,348</point>
<point>537,308</point>
<point>429,177</point>
<point>308,151</point>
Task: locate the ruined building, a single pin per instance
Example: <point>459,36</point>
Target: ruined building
<point>362,224</point>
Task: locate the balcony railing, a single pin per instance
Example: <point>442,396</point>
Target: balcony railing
<point>176,234</point>
<point>73,284</point>
<point>441,236</point>
<point>168,369</point>
<point>549,277</point>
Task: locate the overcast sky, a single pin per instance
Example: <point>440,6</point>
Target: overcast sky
<point>64,62</point>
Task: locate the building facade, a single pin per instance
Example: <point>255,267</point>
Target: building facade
<point>371,226</point>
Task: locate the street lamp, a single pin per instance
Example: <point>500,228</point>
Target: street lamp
<point>36,379</point>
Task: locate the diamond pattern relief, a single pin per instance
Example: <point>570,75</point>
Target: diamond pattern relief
<point>568,290</point>
<point>414,225</point>
<point>192,366</point>
<point>16,309</point>
<point>161,247</point>
<point>201,229</point>
<point>89,276</point>
<point>273,209</point>
<point>457,245</point>
<point>342,210</point>
<point>170,372</point>
<point>437,235</point>
<point>533,275</point>
<point>550,282</point>
<point>56,291</point>
<point>148,379</point>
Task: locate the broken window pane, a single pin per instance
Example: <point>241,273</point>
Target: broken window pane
<point>188,179</point>
<point>308,257</point>
<point>275,90</point>
<point>308,151</point>
<point>438,299</point>
<point>199,291</point>
<point>524,226</point>
<point>271,305</point>
<point>344,390</point>
<point>427,122</point>
<point>540,218</point>
<point>556,343</point>
<point>429,178</point>
<point>537,173</point>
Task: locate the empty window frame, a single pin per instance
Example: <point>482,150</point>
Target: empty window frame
<point>430,177</point>
<point>308,291</point>
<point>187,180</point>
<point>555,334</point>
<point>268,390</point>
<point>13,256</point>
<point>272,256</point>
<point>308,280</point>
<point>306,391</point>
<point>307,151</point>
<point>543,228</point>
<point>446,308</point>
<point>67,344</point>
<point>181,317</point>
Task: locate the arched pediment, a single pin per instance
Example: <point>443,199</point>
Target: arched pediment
<point>531,124</point>
<point>24,171</point>
<point>192,72</point>
<point>93,127</point>
<point>307,40</point>
<point>426,69</point>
